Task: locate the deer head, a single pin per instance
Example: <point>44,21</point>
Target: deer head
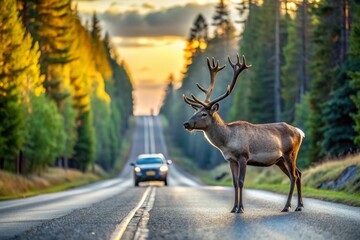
<point>206,110</point>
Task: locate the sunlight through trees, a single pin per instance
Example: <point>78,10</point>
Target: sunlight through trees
<point>65,98</point>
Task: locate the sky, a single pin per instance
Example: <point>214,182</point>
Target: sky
<point>150,36</point>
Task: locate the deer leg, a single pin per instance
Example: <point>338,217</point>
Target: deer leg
<point>284,167</point>
<point>298,187</point>
<point>241,178</point>
<point>234,171</point>
<point>293,177</point>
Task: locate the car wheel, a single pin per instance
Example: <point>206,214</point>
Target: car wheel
<point>165,182</point>
<point>136,184</point>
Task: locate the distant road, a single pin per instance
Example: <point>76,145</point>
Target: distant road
<point>184,210</point>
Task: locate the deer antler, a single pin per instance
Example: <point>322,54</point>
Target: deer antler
<point>191,102</point>
<point>237,69</point>
<point>214,68</point>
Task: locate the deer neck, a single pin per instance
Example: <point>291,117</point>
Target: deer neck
<point>217,133</point>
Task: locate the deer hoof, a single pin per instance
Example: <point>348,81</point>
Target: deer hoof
<point>298,209</point>
<point>286,209</point>
<point>240,210</point>
<point>235,209</point>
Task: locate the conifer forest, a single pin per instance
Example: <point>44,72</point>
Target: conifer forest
<point>65,96</point>
<point>305,57</point>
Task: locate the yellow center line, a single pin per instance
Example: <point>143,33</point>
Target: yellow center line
<point>120,229</point>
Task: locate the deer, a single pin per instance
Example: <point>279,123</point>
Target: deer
<point>242,143</point>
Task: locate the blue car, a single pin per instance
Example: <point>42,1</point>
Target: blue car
<point>151,167</point>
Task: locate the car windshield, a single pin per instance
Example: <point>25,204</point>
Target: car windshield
<point>149,160</point>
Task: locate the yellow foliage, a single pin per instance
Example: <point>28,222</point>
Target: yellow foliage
<point>195,44</point>
<point>203,45</point>
<point>99,87</point>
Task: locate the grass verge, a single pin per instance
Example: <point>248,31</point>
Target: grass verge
<point>52,180</point>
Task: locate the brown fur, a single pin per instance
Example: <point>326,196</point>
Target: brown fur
<point>242,143</point>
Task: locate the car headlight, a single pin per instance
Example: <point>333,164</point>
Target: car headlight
<point>164,168</point>
<point>137,169</point>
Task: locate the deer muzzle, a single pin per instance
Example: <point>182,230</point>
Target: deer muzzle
<point>187,126</point>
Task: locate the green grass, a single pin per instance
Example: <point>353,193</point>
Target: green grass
<point>330,170</point>
<point>334,196</point>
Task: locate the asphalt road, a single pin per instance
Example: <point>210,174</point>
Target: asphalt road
<point>185,209</point>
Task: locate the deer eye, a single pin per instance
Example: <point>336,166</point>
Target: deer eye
<point>204,114</point>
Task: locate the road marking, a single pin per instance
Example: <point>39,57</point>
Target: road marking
<point>142,232</point>
<point>120,229</point>
<point>146,135</point>
<point>152,137</point>
<point>162,141</point>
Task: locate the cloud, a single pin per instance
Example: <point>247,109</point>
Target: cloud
<point>144,41</point>
<point>148,6</point>
<point>174,21</point>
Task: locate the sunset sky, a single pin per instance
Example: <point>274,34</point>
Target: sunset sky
<point>150,37</point>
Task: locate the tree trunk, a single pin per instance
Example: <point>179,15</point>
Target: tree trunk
<point>2,163</point>
<point>277,63</point>
<point>66,163</point>
<point>347,27</point>
<point>303,86</point>
<point>21,163</point>
<point>18,163</point>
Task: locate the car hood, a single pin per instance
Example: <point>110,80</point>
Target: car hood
<point>149,166</point>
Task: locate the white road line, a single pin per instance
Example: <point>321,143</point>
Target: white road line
<point>162,141</point>
<point>142,231</point>
<point>152,137</point>
<point>120,229</point>
<point>146,135</point>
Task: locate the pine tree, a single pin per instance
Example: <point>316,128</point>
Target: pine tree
<point>297,53</point>
<point>196,71</point>
<point>102,64</point>
<point>45,134</point>
<point>18,75</point>
<point>167,107</point>
<point>199,33</point>
<point>330,86</point>
<point>291,74</point>
<point>354,68</point>
<point>261,99</point>
<point>196,42</point>
<point>39,129</point>
<point>50,22</point>
<point>249,36</point>
<point>338,130</point>
<point>85,148</point>
<point>221,20</point>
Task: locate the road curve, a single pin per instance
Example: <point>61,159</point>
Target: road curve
<point>114,209</point>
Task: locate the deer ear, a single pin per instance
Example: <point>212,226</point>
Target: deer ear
<point>214,108</point>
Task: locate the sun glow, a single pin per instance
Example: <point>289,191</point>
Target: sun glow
<point>150,60</point>
<point>149,53</point>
